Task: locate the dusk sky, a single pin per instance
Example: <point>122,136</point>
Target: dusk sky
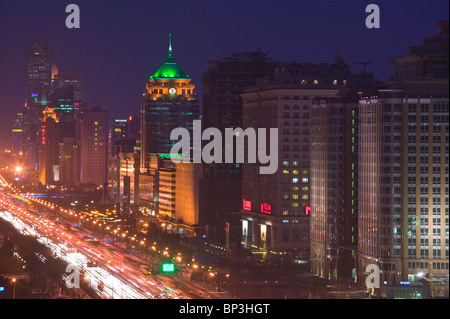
<point>121,43</point>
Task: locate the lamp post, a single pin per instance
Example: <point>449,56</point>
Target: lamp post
<point>14,288</point>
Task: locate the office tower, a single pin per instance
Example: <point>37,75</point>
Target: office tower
<point>49,148</point>
<point>166,189</point>
<point>94,142</point>
<point>334,166</point>
<point>118,131</point>
<point>223,82</point>
<point>62,101</point>
<point>179,193</point>
<point>38,67</point>
<point>69,161</point>
<point>123,171</point>
<point>128,171</point>
<point>169,102</point>
<point>32,125</point>
<point>37,88</point>
<point>334,183</point>
<point>123,129</point>
<point>276,209</point>
<point>74,79</point>
<point>189,199</point>
<point>403,171</point>
<point>17,133</point>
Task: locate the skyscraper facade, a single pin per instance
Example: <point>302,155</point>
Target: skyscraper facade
<point>403,169</point>
<point>94,145</point>
<point>334,183</point>
<point>37,88</point>
<point>74,79</point>
<point>49,148</point>
<point>17,133</point>
<point>224,80</point>
<point>169,102</point>
<point>276,209</point>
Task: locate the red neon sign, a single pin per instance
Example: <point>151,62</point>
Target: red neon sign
<point>266,208</point>
<point>307,210</point>
<point>43,134</point>
<point>246,205</point>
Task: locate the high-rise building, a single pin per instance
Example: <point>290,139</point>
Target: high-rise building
<point>94,146</point>
<point>74,79</point>
<point>32,125</point>
<point>69,161</point>
<point>17,133</point>
<point>38,66</point>
<point>169,102</point>
<point>403,171</point>
<point>62,101</point>
<point>276,209</point>
<point>334,184</point>
<point>224,80</point>
<point>49,148</point>
<point>123,129</point>
<point>37,88</point>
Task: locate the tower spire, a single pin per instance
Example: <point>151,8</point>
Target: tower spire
<point>170,45</point>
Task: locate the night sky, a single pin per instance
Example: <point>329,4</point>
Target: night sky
<point>121,43</point>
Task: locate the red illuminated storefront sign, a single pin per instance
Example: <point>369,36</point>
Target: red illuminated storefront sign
<point>307,210</point>
<point>266,208</point>
<point>246,205</point>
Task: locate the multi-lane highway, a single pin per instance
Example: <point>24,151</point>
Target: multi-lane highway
<point>110,271</point>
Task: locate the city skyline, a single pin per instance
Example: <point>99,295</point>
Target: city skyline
<point>254,150</point>
<point>266,25</point>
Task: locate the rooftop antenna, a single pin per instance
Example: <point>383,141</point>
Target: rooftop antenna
<point>170,45</point>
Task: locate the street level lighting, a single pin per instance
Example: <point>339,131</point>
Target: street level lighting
<point>14,288</point>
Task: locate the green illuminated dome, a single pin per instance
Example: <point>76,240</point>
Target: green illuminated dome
<point>170,69</point>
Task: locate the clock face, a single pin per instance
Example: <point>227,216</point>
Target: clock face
<point>172,91</point>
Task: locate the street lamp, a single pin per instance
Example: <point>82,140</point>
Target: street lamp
<point>14,288</point>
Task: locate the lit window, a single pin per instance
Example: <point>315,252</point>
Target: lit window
<point>285,172</point>
<point>295,172</point>
<point>295,180</point>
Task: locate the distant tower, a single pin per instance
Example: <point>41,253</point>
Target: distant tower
<point>17,133</point>
<point>49,147</point>
<point>94,145</point>
<point>37,88</point>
